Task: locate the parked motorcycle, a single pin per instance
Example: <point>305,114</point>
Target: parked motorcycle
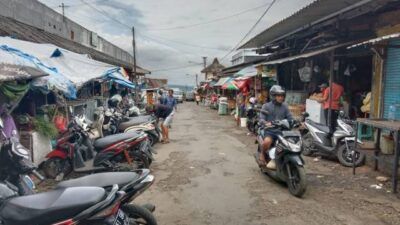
<point>145,123</point>
<point>286,151</point>
<point>75,152</point>
<point>14,181</point>
<point>68,206</point>
<point>317,138</point>
<point>16,166</point>
<point>252,118</point>
<point>116,122</point>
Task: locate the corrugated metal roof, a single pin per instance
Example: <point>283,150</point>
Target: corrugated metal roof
<point>221,81</point>
<point>376,40</point>
<point>305,55</point>
<point>314,13</point>
<point>9,72</point>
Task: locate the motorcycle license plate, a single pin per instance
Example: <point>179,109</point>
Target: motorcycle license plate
<point>121,218</point>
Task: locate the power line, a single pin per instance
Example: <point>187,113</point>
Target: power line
<point>183,43</point>
<point>146,36</point>
<point>210,21</point>
<point>251,29</point>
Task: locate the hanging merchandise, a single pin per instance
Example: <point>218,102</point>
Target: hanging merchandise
<point>317,69</point>
<point>13,91</point>
<point>305,74</point>
<point>336,65</point>
<point>350,69</point>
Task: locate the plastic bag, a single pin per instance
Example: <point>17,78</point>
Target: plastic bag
<point>61,123</point>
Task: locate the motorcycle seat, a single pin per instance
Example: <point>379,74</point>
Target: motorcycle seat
<point>134,121</point>
<point>104,180</point>
<point>50,207</point>
<point>320,126</point>
<point>104,142</point>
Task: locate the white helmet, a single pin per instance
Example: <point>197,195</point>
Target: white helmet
<point>252,100</point>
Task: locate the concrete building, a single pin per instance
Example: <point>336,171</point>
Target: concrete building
<point>33,21</point>
<point>245,56</point>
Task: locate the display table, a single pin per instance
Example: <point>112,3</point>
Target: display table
<point>380,124</point>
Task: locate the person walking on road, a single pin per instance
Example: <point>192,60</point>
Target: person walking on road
<point>171,100</point>
<point>164,115</point>
<point>198,98</point>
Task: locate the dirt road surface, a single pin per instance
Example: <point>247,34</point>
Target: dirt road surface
<point>207,175</point>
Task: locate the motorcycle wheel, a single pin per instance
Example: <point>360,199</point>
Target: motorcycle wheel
<point>152,139</point>
<point>345,157</point>
<point>142,162</point>
<point>297,185</point>
<point>249,127</point>
<point>307,146</point>
<point>139,215</point>
<point>54,166</point>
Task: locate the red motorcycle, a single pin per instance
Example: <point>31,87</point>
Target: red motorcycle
<point>76,152</point>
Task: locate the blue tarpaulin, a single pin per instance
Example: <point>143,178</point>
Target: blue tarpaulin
<point>55,80</point>
<point>116,76</point>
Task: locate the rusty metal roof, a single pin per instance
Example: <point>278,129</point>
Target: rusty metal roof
<point>314,13</point>
<point>10,72</point>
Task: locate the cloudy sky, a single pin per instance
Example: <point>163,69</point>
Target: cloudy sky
<point>174,35</point>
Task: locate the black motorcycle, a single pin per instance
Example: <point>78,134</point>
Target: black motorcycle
<point>252,118</point>
<point>286,151</point>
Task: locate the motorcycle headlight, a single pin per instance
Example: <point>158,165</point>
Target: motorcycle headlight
<point>293,147</point>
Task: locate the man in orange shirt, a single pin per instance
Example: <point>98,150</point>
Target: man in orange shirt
<point>337,92</point>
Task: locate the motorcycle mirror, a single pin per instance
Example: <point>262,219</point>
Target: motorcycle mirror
<point>341,114</point>
<point>305,114</point>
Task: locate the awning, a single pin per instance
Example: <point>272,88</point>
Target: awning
<point>241,84</point>
<point>230,85</point>
<point>305,55</point>
<point>116,76</point>
<point>247,72</point>
<point>375,40</point>
<point>10,72</point>
<point>221,81</point>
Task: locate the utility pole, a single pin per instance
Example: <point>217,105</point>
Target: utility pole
<point>204,66</point>
<point>63,9</point>
<point>134,67</point>
<point>196,80</point>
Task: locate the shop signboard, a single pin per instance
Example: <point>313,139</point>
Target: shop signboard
<point>269,71</point>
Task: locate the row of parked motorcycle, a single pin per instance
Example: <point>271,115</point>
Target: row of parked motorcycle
<point>303,137</point>
<point>114,153</point>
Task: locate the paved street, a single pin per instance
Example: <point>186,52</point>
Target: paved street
<point>207,175</point>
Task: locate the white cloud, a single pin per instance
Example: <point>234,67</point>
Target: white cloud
<point>157,49</point>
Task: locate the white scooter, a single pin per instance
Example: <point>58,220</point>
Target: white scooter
<point>317,138</point>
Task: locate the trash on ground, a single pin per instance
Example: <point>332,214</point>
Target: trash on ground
<point>376,186</point>
<point>382,179</point>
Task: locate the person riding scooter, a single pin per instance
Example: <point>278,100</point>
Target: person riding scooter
<point>276,109</point>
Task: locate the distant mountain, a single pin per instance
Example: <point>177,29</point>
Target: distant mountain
<point>181,87</point>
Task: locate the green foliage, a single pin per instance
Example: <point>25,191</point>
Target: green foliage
<point>45,127</point>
